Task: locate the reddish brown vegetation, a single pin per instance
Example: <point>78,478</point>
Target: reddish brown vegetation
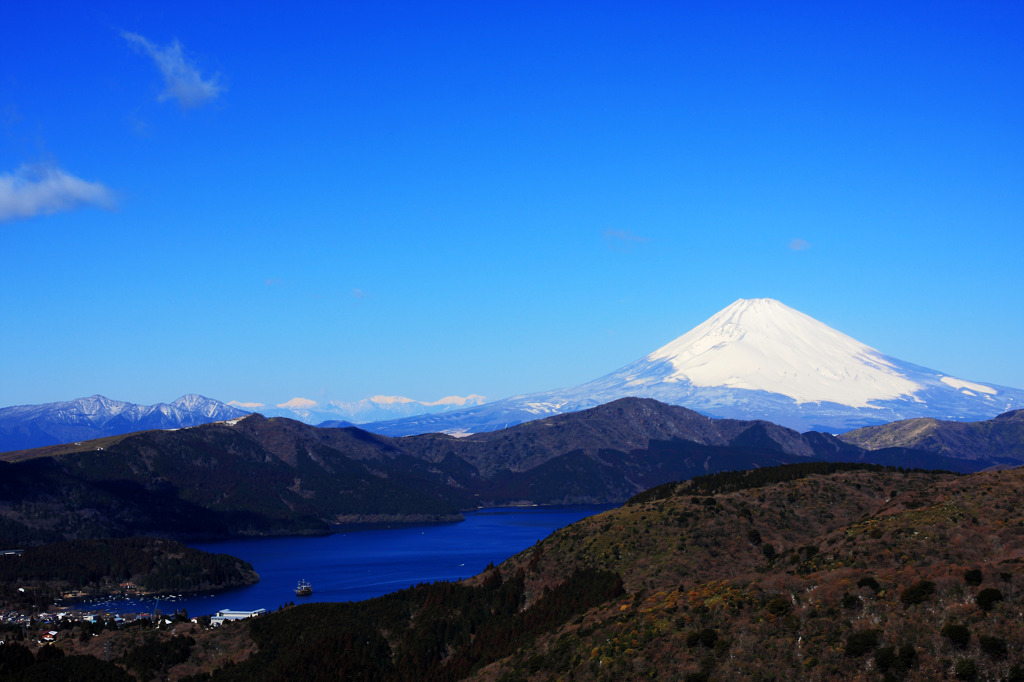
<point>870,571</point>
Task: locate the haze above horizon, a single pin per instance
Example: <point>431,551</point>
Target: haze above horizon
<point>339,200</point>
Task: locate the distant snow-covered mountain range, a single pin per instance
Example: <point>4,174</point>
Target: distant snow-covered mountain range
<point>33,426</point>
<point>756,359</point>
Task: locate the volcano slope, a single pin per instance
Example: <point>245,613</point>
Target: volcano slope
<point>811,571</point>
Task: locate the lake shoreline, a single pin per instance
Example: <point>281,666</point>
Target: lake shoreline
<point>359,563</point>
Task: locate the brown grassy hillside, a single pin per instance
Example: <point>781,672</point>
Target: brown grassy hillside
<point>872,576</point>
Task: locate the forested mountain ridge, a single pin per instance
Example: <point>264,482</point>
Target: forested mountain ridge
<point>624,425</point>
<point>278,476</point>
<point>1002,436</point>
<point>215,480</point>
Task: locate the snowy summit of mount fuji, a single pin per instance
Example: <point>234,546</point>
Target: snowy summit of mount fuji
<point>763,345</point>
<point>755,359</point>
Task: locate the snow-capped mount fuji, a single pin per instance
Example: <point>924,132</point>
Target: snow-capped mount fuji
<point>756,359</point>
<point>763,345</point>
<point>32,426</point>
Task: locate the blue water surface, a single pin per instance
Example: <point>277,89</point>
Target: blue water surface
<point>362,564</point>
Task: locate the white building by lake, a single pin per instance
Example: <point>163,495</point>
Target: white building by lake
<point>229,614</point>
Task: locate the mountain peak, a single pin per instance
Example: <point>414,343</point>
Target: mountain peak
<point>190,400</point>
<point>764,345</point>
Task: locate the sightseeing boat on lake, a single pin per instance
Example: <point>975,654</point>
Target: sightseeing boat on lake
<point>303,589</point>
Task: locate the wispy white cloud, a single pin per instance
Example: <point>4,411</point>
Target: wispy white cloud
<point>622,240</point>
<point>181,78</point>
<point>246,406</point>
<point>40,189</point>
<point>799,245</point>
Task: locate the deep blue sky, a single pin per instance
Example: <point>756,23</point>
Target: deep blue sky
<point>334,200</point>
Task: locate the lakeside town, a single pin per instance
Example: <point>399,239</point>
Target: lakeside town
<point>50,627</point>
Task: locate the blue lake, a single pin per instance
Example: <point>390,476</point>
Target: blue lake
<point>361,564</point>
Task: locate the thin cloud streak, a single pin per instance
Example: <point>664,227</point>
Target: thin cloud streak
<point>39,189</point>
<point>799,245</point>
<point>181,78</point>
<point>246,406</point>
<point>622,240</point>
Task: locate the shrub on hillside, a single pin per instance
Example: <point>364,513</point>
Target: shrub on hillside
<point>966,669</point>
<point>919,592</point>
<point>870,583</point>
<point>958,635</point>
<point>896,663</point>
<point>862,642</point>
<point>779,606</point>
<point>706,637</point>
<point>973,577</point>
<point>993,646</point>
<point>988,597</point>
